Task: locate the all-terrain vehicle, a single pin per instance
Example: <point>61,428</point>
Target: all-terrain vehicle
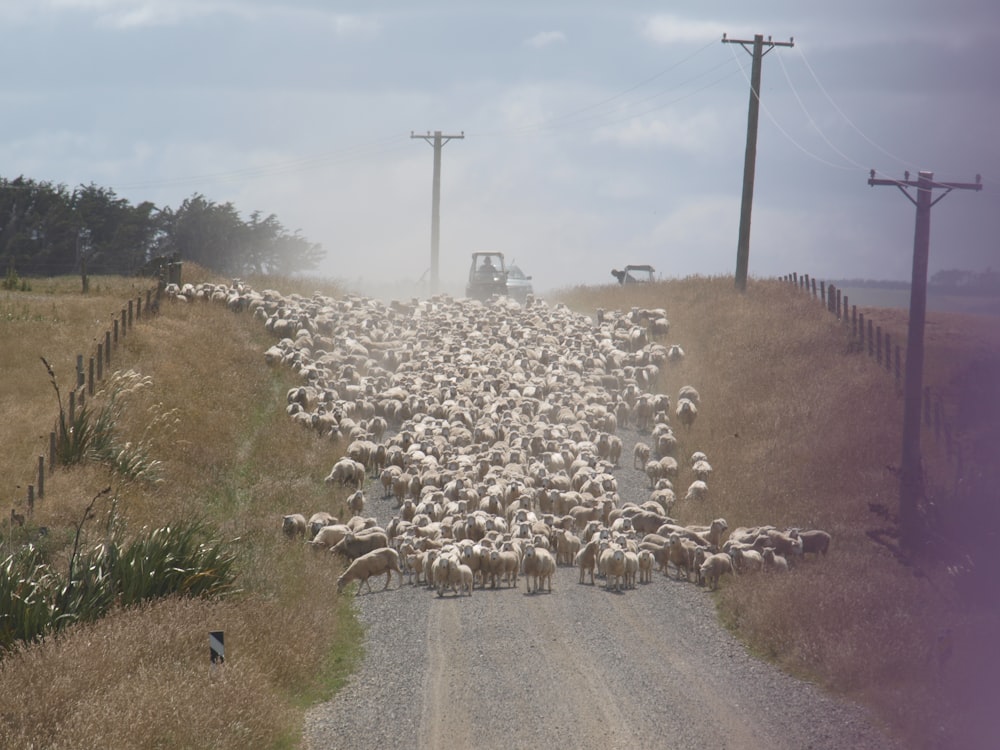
<point>634,274</point>
<point>487,276</point>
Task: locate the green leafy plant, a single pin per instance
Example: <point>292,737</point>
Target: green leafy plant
<point>183,560</point>
<point>90,434</point>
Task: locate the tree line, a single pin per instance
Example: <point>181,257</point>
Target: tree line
<point>47,229</point>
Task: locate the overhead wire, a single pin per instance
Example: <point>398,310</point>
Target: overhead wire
<point>781,129</point>
<point>812,121</point>
<point>555,121</point>
<point>841,112</point>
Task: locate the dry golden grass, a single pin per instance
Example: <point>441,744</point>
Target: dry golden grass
<point>141,678</point>
<point>802,433</point>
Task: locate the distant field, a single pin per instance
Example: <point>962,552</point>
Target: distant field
<point>900,298</point>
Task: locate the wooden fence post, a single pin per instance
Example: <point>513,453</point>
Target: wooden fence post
<point>80,377</point>
<point>123,323</point>
<point>841,307</point>
<point>72,407</point>
<point>130,313</point>
<point>861,330</point>
<point>813,281</point>
<point>107,349</point>
<point>90,376</point>
<point>41,477</point>
<point>138,307</point>
<point>822,292</point>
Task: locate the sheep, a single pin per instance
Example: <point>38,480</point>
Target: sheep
<point>467,579</point>
<point>813,540</point>
<point>353,546</point>
<point>702,470</point>
<point>690,394</point>
<point>378,561</point>
<point>328,536</point>
<point>567,545</point>
<point>631,568</point>
<point>646,562</point>
<point>686,412</point>
<point>293,525</point>
<point>675,355</point>
<point>537,567</point>
<point>612,563</point>
<point>713,567</point>
<point>356,502</point>
<point>697,491</point>
<point>318,520</point>
<point>774,561</point>
<point>586,560</point>
<point>745,559</point>
<point>641,454</point>
<point>347,471</point>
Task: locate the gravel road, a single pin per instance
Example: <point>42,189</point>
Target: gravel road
<point>578,667</point>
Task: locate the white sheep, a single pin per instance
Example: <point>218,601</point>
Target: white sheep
<point>378,561</point>
<point>537,566</point>
<point>713,567</point>
<point>612,564</point>
<point>646,562</point>
<point>329,536</point>
<point>690,394</point>
<point>686,412</point>
<point>586,559</point>
<point>356,502</point>
<point>293,525</point>
<point>774,561</point>
<point>697,491</point>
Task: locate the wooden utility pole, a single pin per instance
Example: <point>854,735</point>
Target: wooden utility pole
<point>911,482</point>
<point>437,141</point>
<point>750,159</point>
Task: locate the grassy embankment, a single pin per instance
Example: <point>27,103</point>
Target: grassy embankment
<point>799,432</point>
<point>229,456</point>
<point>803,433</point>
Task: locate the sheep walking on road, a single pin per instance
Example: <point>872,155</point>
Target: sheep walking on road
<point>379,561</point>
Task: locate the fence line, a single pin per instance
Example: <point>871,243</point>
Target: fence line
<point>98,366</point>
<point>864,336</point>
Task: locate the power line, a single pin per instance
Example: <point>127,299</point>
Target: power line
<point>839,111</point>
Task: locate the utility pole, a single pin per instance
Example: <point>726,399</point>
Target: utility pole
<point>911,483</point>
<point>437,141</point>
<point>750,159</point>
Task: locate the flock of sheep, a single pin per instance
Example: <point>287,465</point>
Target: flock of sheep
<point>493,427</point>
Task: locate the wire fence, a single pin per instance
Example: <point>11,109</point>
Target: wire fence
<point>865,336</point>
<point>92,369</point>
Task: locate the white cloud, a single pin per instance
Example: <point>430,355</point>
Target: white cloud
<point>698,133</point>
<point>667,29</point>
<point>134,14</point>
<point>545,39</point>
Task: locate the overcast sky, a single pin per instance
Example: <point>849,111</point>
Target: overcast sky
<point>596,133</point>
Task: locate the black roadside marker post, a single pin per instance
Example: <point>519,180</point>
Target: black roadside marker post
<point>217,649</point>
